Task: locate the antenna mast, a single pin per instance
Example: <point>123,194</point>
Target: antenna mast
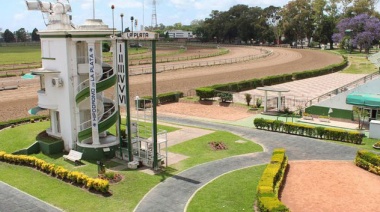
<point>154,15</point>
<point>93,9</point>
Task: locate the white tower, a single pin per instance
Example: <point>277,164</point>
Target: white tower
<point>74,81</point>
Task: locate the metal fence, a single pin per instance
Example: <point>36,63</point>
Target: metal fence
<point>342,89</point>
<point>193,64</point>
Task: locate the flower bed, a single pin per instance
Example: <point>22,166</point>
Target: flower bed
<point>217,145</point>
<point>74,177</point>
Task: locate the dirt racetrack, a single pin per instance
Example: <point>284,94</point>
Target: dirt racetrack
<point>315,186</point>
<point>15,103</point>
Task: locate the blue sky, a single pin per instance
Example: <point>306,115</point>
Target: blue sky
<point>14,13</point>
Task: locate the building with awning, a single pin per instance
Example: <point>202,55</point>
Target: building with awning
<point>364,100</point>
<point>371,103</point>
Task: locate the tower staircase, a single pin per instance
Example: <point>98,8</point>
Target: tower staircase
<point>107,113</point>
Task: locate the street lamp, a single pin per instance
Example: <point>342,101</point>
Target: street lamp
<point>132,18</point>
<point>122,27</point>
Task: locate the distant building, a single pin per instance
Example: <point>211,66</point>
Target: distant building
<point>179,34</point>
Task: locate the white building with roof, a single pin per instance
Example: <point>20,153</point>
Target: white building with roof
<point>76,85</point>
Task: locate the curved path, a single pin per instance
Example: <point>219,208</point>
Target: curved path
<point>15,103</point>
<point>174,193</point>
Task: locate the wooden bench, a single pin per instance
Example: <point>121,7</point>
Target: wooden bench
<point>74,156</point>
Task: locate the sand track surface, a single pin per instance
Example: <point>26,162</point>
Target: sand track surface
<point>315,186</point>
<point>14,103</point>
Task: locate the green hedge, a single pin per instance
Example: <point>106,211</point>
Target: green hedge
<point>20,121</point>
<point>322,71</point>
<point>211,91</point>
<point>205,92</point>
<point>170,97</point>
<point>368,161</point>
<point>310,131</point>
<point>162,98</point>
<point>271,182</point>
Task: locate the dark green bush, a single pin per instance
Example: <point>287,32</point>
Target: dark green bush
<point>205,92</point>
<point>209,92</point>
<point>21,120</point>
<point>170,97</point>
<point>225,97</point>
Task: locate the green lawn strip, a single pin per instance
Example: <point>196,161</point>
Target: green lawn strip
<point>20,54</point>
<point>145,128</point>
<point>20,137</point>
<point>235,191</point>
<point>367,144</point>
<point>359,65</point>
<point>199,151</point>
<point>125,194</point>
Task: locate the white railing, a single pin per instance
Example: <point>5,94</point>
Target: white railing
<point>87,124</point>
<point>85,83</point>
<point>341,89</point>
<point>148,70</point>
<point>81,60</point>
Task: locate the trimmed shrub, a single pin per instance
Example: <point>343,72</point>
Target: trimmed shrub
<point>368,161</point>
<point>20,121</point>
<point>170,97</point>
<point>205,92</point>
<point>271,182</point>
<point>335,134</point>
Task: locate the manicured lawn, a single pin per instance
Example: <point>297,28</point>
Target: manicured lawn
<point>359,65</point>
<point>13,139</point>
<point>235,191</point>
<point>125,194</point>
<point>199,150</point>
<point>20,54</point>
<point>367,144</point>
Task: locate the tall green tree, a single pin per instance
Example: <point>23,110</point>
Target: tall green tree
<point>298,20</point>
<point>21,35</point>
<point>9,36</point>
<point>273,19</point>
<point>35,36</point>
<point>362,6</point>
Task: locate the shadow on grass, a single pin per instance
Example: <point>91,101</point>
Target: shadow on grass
<point>167,173</point>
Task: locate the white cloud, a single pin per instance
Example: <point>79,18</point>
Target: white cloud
<point>126,4</point>
<point>19,16</point>
<point>87,4</point>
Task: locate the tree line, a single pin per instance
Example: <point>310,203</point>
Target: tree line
<point>20,36</point>
<point>352,23</point>
<point>298,20</point>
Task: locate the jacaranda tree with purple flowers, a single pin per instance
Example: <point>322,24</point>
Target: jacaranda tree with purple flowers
<point>365,31</point>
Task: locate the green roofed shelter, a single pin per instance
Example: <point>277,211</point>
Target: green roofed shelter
<point>364,100</point>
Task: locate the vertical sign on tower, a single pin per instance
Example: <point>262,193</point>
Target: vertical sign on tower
<point>93,99</point>
<point>121,79</point>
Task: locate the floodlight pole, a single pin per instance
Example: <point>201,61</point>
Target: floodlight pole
<point>154,95</point>
<point>127,103</point>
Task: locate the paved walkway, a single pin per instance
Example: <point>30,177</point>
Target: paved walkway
<point>174,193</point>
<point>14,200</point>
